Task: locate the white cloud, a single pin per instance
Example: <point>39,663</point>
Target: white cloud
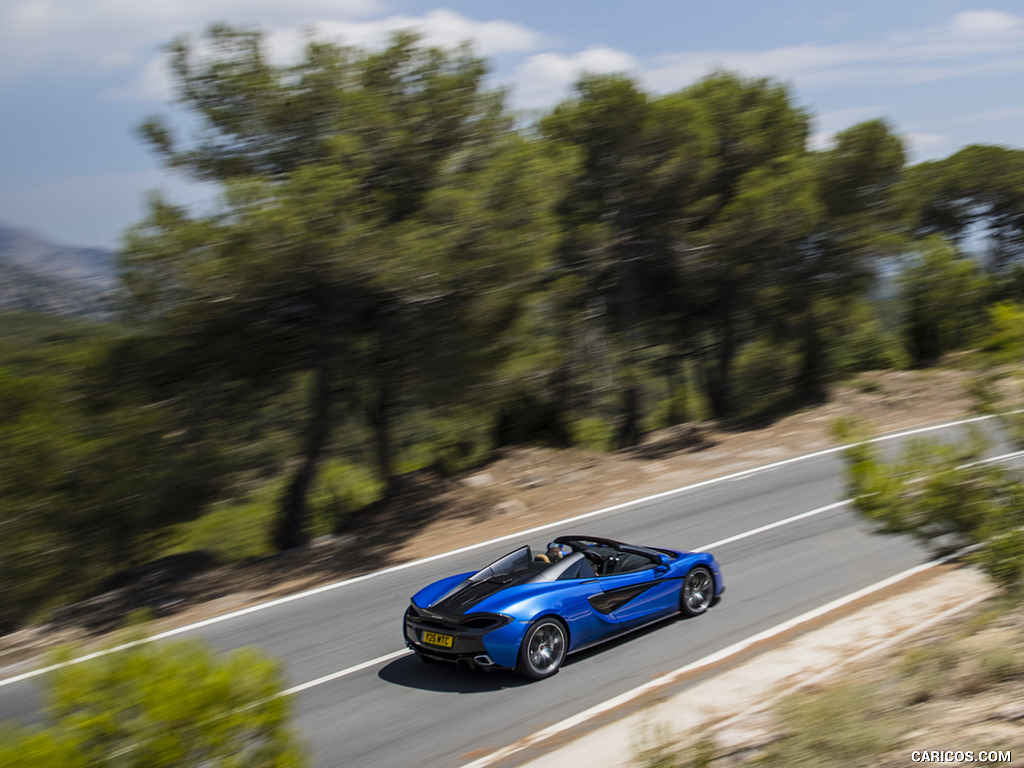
<point>545,78</point>
<point>284,43</point>
<point>152,83</point>
<point>106,34</point>
<point>991,116</point>
<point>923,146</point>
<point>439,27</point>
<point>985,23</point>
<point>972,43</point>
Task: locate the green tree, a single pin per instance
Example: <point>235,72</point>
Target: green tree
<point>944,495</point>
<point>378,213</point>
<point>168,704</point>
<point>754,206</point>
<point>978,190</point>
<point>641,160</point>
<point>943,294</point>
<point>85,489</point>
<point>860,224</point>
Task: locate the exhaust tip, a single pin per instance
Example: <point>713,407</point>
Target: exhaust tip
<point>483,660</point>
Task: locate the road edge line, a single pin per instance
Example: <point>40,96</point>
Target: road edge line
<point>718,656</point>
<point>470,547</point>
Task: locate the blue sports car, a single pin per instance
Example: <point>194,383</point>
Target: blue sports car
<point>528,611</point>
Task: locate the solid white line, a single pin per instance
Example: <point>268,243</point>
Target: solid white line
<point>344,672</point>
<point>469,548</point>
<point>396,654</point>
<point>866,653</point>
<point>1001,457</point>
<point>714,658</point>
<point>388,657</point>
<point>778,524</point>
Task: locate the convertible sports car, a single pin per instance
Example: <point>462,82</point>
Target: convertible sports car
<point>528,613</point>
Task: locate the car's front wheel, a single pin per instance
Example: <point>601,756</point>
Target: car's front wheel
<point>698,591</point>
<point>543,649</point>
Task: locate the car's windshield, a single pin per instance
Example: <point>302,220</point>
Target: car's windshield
<point>513,562</point>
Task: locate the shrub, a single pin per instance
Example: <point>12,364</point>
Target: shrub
<point>1006,341</point>
<point>943,495</point>
<point>154,705</point>
<point>764,374</point>
<point>592,432</point>
<point>340,489</point>
<point>869,347</point>
<point>845,726</point>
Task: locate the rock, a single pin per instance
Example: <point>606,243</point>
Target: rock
<point>510,507</point>
<point>1009,715</point>
<point>532,481</point>
<point>479,481</point>
<point>345,539</point>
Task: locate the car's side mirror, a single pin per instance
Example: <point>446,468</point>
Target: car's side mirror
<point>663,559</point>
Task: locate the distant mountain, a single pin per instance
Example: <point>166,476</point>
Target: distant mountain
<point>42,276</point>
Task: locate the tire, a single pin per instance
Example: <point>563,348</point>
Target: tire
<point>543,649</point>
<point>698,591</point>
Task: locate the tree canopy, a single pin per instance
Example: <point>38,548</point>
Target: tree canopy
<point>399,275</point>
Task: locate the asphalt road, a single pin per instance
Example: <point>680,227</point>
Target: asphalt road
<point>399,712</point>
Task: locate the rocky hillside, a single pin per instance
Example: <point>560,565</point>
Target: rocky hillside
<point>42,276</point>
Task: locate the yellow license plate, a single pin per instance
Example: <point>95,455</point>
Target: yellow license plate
<point>433,638</point>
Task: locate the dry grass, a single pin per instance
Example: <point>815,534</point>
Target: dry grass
<point>960,686</point>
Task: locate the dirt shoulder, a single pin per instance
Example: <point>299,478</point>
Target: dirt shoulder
<point>732,705</point>
<point>517,490</point>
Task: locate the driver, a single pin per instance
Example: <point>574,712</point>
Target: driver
<point>557,551</point>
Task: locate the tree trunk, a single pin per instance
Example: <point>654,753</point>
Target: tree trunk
<point>718,369</point>
<point>291,526</point>
<point>379,414</point>
<point>629,425</point>
<point>810,384</point>
<point>629,429</point>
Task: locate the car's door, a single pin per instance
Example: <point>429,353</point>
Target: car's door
<point>586,624</point>
<point>640,594</point>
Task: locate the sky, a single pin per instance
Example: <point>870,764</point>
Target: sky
<point>77,76</point>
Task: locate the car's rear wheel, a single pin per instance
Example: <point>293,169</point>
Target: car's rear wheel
<point>543,649</point>
<point>698,591</point>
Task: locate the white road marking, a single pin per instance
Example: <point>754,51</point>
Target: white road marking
<point>714,658</point>
<point>722,542</point>
<point>890,642</point>
<point>469,548</point>
<point>778,524</point>
<point>344,672</point>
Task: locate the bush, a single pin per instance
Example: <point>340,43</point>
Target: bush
<point>680,405</point>
<point>154,705</point>
<point>764,374</point>
<point>869,348</point>
<point>926,669</point>
<point>233,530</point>
<point>525,418</point>
<point>984,393</point>
<point>1006,341</point>
<point>340,489</point>
<point>845,726</point>
<point>460,443</point>
<point>941,494</point>
<point>944,294</point>
<point>592,432</point>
